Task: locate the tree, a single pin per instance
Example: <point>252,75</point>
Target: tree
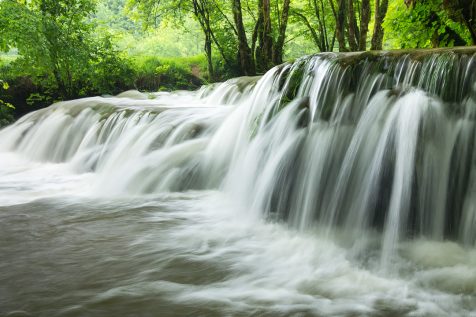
<point>364,24</point>
<point>463,11</point>
<point>318,19</point>
<point>245,56</point>
<point>6,108</point>
<point>201,11</point>
<point>263,28</point>
<point>423,24</point>
<point>152,12</point>
<point>56,42</point>
<point>51,34</point>
<point>279,45</point>
<point>381,7</point>
<point>357,24</point>
<point>339,12</point>
<point>346,21</point>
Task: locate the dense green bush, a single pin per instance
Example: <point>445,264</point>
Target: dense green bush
<point>154,73</point>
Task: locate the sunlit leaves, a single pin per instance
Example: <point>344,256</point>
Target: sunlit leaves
<point>4,85</point>
<point>424,24</point>
<point>57,43</point>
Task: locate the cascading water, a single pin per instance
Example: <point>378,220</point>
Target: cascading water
<point>368,158</point>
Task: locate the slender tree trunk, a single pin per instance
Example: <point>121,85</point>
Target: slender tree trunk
<point>364,24</point>
<point>245,57</point>
<point>331,47</point>
<point>203,16</point>
<point>320,15</point>
<point>254,37</point>
<point>265,39</point>
<point>352,27</point>
<point>339,15</point>
<point>208,53</point>
<point>380,12</point>
<point>324,34</point>
<point>279,45</point>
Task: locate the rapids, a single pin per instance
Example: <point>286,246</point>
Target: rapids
<point>336,185</point>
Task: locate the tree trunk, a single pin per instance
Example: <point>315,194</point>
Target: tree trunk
<point>203,16</point>
<point>208,53</point>
<point>339,15</point>
<point>321,19</point>
<point>265,39</point>
<point>364,24</point>
<point>380,12</point>
<point>352,27</point>
<point>254,37</point>
<point>245,57</point>
<point>279,45</point>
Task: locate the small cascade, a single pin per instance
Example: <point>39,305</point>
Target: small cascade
<point>353,142</point>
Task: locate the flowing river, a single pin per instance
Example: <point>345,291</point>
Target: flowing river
<point>336,185</point>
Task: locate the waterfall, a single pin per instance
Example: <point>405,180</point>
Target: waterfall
<point>356,142</point>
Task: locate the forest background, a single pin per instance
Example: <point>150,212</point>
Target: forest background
<point>52,50</point>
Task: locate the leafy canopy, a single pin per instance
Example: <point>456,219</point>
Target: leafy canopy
<point>57,43</point>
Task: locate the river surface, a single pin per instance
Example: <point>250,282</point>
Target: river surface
<point>67,252</point>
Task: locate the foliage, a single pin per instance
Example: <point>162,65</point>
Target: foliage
<point>315,22</point>
<point>6,109</point>
<point>58,47</point>
<point>110,13</point>
<point>169,73</point>
<point>4,86</point>
<point>425,24</point>
<point>165,41</point>
<point>6,116</point>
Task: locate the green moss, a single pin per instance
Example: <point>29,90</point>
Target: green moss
<point>104,110</point>
<point>290,86</point>
<point>255,126</point>
<point>244,82</point>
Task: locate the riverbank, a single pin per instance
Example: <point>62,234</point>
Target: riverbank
<point>29,92</point>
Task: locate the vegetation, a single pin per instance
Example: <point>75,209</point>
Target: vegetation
<point>62,49</point>
<point>431,23</point>
<point>6,113</point>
